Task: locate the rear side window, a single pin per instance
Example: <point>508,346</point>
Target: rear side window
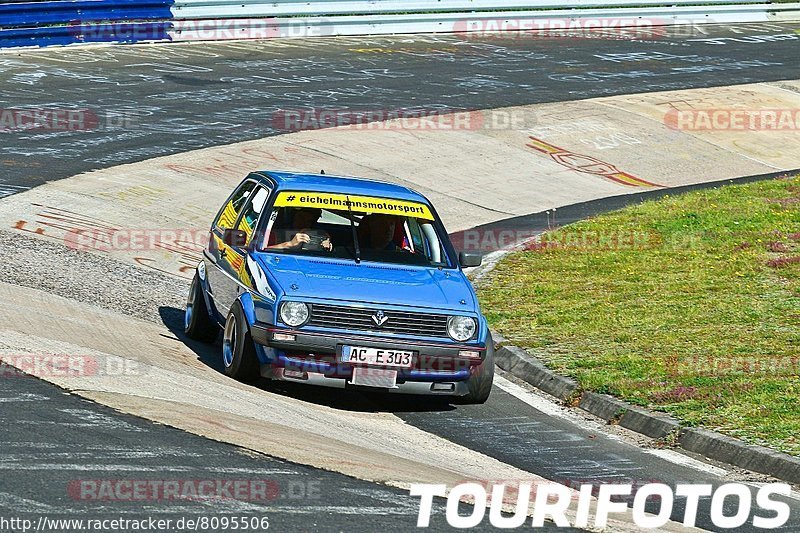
<point>254,208</point>
<point>230,211</point>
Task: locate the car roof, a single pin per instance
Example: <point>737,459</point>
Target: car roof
<point>342,185</point>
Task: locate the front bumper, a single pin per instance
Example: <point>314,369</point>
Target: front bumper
<point>422,388</point>
<point>314,358</point>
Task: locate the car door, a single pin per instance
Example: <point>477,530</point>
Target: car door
<point>222,282</point>
<point>237,256</point>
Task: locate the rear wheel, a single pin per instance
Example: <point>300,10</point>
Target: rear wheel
<point>238,351</point>
<point>480,382</point>
<point>197,324</point>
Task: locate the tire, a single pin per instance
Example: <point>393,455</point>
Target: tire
<point>197,324</point>
<point>480,382</point>
<point>238,351</point>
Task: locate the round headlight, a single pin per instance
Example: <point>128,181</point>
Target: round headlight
<point>461,328</point>
<point>294,313</point>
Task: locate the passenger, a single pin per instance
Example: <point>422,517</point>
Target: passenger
<point>302,232</point>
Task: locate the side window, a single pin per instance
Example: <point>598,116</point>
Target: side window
<point>230,212</point>
<point>425,241</point>
<point>253,211</point>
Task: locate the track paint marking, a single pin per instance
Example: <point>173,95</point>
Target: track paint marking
<point>23,505</point>
<point>91,468</point>
<point>684,460</point>
<point>333,509</point>
<point>26,445</point>
<point>101,420</point>
<point>540,404</point>
<point>24,398</point>
<point>793,495</point>
<point>587,164</point>
<point>256,471</point>
<point>552,409</point>
<point>120,454</point>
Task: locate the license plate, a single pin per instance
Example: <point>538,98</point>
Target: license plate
<point>366,376</point>
<point>377,356</point>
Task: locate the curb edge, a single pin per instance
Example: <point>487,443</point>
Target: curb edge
<point>655,425</point>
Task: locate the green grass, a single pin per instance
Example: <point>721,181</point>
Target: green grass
<point>689,305</point>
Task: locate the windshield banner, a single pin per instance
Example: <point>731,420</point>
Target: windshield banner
<point>360,204</point>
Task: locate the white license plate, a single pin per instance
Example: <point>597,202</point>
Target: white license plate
<point>367,376</point>
<point>377,356</point>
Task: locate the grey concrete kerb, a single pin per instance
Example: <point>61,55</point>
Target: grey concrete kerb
<point>711,444</point>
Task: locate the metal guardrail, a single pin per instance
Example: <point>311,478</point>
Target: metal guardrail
<point>290,8</point>
<point>60,22</point>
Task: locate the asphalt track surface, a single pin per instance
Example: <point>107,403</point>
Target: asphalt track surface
<point>155,101</point>
<point>54,442</point>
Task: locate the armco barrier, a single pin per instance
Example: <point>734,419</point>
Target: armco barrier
<point>61,22</point>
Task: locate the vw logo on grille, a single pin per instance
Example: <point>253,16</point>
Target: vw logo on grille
<point>380,318</point>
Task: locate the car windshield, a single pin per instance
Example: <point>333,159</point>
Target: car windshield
<point>368,229</point>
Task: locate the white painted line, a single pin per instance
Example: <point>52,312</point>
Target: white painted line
<point>101,420</point>
<point>254,471</point>
<point>91,467</point>
<point>793,495</point>
<point>23,505</point>
<point>552,409</point>
<point>243,507</point>
<point>684,460</point>
<point>26,445</point>
<point>322,510</point>
<point>24,398</point>
<point>540,404</point>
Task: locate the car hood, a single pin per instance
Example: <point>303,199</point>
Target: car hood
<point>370,282</point>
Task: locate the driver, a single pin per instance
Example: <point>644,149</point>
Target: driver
<point>303,220</point>
<point>376,232</point>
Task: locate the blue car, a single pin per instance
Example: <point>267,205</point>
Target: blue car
<point>340,282</point>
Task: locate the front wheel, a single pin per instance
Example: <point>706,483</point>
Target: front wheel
<point>197,323</point>
<point>480,382</point>
<point>238,351</point>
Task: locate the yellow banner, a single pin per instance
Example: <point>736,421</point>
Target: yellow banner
<point>359,204</point>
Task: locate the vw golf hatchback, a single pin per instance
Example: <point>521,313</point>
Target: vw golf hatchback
<point>340,282</point>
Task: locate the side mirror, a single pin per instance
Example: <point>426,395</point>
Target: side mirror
<point>470,259</point>
<point>234,237</point>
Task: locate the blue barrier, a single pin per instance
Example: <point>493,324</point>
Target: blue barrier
<point>37,14</point>
<point>120,32</point>
<point>62,22</point>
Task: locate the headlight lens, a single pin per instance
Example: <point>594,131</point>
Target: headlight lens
<point>461,328</point>
<point>294,313</point>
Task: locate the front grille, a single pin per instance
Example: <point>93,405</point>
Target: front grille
<point>361,319</point>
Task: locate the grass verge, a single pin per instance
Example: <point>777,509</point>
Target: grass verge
<point>689,305</point>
